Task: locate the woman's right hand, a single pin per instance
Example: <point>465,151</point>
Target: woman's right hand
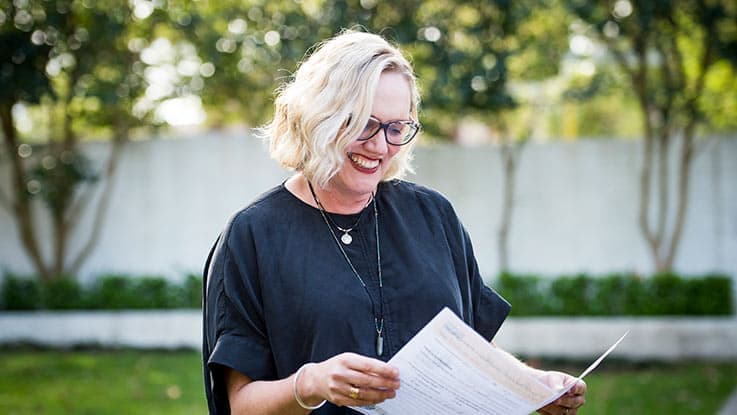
<point>349,379</point>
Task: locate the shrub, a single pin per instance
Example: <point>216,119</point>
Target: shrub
<point>526,293</point>
<point>711,295</point>
<point>63,293</point>
<point>118,292</point>
<point>621,294</point>
<point>617,295</point>
<point>151,292</point>
<point>111,292</point>
<point>191,292</point>
<point>669,295</point>
<point>107,292</point>
<point>530,295</point>
<point>19,293</point>
<point>570,293</point>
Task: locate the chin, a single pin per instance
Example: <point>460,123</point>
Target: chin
<point>365,184</point>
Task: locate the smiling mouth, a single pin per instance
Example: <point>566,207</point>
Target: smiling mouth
<point>364,163</point>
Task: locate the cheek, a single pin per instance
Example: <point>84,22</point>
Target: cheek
<point>393,151</point>
<point>353,146</point>
<point>389,160</point>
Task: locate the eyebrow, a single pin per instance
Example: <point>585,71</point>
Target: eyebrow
<point>395,120</point>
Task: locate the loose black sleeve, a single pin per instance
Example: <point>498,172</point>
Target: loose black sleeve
<point>235,332</point>
<point>490,309</point>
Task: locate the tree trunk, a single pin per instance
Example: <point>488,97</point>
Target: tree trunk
<point>684,181</point>
<point>663,187</point>
<point>510,154</point>
<point>505,223</point>
<point>60,243</point>
<point>646,170</point>
<point>21,203</point>
<point>102,205</point>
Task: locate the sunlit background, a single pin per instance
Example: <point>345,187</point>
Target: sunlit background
<point>588,146</point>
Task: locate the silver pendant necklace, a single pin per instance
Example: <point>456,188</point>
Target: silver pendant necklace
<point>378,319</point>
<point>346,238</point>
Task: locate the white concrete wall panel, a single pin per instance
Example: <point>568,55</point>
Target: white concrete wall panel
<point>576,205</point>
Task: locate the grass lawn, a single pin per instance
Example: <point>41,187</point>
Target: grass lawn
<point>101,383</point>
<point>658,389</point>
<point>161,383</point>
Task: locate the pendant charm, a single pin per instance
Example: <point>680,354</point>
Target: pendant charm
<point>346,238</point>
<point>379,345</point>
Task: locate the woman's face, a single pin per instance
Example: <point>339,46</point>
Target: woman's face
<point>367,161</point>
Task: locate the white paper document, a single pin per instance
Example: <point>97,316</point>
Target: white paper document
<point>448,368</point>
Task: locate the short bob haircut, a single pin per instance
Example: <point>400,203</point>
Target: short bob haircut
<point>328,102</point>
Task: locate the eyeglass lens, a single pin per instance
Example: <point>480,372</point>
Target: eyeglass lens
<point>397,132</point>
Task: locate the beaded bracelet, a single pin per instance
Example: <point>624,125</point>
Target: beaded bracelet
<point>296,394</point>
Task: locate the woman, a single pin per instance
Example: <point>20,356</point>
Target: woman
<point>315,285</point>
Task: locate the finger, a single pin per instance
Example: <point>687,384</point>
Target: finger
<point>551,409</point>
<point>372,395</point>
<point>354,393</point>
<point>368,365</point>
<point>350,370</point>
<point>368,373</point>
<point>374,382</point>
<point>564,410</point>
<point>563,406</point>
<point>571,401</point>
<point>578,389</point>
<point>354,396</point>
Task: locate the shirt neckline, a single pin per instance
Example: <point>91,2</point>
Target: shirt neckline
<point>348,216</point>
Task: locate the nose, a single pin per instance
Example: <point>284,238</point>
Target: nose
<point>378,143</point>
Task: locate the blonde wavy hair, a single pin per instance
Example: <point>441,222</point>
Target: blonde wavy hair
<point>328,102</point>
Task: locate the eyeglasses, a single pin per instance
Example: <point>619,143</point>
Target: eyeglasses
<point>396,133</point>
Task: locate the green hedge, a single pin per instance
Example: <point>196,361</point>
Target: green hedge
<point>108,292</point>
<point>617,295</point>
<point>530,295</point>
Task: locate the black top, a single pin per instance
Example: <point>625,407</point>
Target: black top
<point>280,293</point>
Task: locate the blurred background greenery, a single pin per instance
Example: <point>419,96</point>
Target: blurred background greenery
<point>99,69</point>
<point>619,294</point>
<point>77,71</point>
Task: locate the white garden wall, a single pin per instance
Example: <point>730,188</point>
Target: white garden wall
<point>576,204</point>
<point>663,339</point>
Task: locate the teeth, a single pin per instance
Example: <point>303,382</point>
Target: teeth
<point>362,162</point>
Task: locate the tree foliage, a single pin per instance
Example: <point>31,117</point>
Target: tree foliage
<point>108,67</point>
<point>71,60</point>
<point>92,66</point>
<point>460,49</point>
<point>668,49</point>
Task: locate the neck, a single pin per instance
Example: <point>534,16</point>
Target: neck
<point>336,202</point>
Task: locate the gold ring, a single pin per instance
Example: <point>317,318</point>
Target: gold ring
<point>354,392</point>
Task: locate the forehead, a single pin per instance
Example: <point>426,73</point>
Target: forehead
<point>393,97</point>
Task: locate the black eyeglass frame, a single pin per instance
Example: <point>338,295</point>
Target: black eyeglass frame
<point>383,126</point>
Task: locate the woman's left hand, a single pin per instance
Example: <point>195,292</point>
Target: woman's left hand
<point>569,403</point>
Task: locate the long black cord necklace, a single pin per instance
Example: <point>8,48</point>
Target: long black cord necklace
<point>378,319</point>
